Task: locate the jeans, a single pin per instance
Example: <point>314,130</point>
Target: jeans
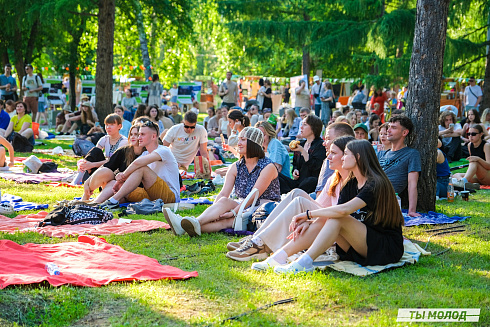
<point>442,183</point>
<point>318,108</point>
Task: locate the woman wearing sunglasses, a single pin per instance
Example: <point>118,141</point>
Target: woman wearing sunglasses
<point>479,169</point>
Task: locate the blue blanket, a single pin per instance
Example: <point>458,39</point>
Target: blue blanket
<point>16,202</point>
<point>430,218</point>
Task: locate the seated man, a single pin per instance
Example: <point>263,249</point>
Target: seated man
<point>331,133</point>
<point>186,139</point>
<point>213,124</point>
<point>401,163</point>
<point>156,169</point>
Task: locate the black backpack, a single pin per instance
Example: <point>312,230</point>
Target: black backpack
<point>76,215</point>
<point>81,147</point>
<point>21,143</point>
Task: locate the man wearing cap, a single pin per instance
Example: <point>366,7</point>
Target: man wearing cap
<point>229,92</point>
<point>361,131</point>
<point>156,169</point>
<point>315,90</point>
<point>186,139</point>
<point>252,170</point>
<point>8,85</point>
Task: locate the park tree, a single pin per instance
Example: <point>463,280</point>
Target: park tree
<point>424,91</point>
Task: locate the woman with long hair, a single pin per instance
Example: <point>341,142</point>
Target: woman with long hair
<point>261,92</point>
<point>479,168</point>
<point>366,223</point>
<point>104,176</point>
<point>450,134</point>
<point>155,91</point>
<point>223,122</point>
<point>379,97</point>
<point>374,127</point>
<point>253,170</point>
<point>267,103</point>
<point>291,126</point>
<point>237,121</point>
<point>20,123</point>
<point>274,231</point>
<point>384,144</point>
<point>473,119</point>
<point>274,149</point>
<point>155,115</point>
<point>88,118</point>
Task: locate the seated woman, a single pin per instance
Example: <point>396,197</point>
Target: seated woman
<point>274,149</point>
<point>473,119</point>
<point>374,127</point>
<point>20,123</point>
<point>450,132</point>
<point>253,170</point>
<point>223,122</point>
<point>88,118</point>
<point>155,115</point>
<point>106,146</point>
<point>105,176</point>
<point>384,144</point>
<point>274,232</point>
<point>479,169</point>
<point>366,224</point>
<point>485,119</point>
<point>308,158</point>
<point>290,127</point>
<point>237,121</point>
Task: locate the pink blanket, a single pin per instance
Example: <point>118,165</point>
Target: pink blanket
<point>34,178</point>
<point>28,223</point>
<point>89,262</point>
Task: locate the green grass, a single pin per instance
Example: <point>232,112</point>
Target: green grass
<point>458,278</point>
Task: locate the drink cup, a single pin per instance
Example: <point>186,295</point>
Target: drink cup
<point>465,195</point>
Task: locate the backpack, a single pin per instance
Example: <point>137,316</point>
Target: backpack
<point>81,147</point>
<point>76,215</point>
<point>21,143</point>
<point>260,215</point>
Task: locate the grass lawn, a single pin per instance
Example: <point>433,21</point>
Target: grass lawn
<point>458,278</point>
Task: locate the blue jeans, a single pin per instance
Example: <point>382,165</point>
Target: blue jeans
<point>442,183</point>
<point>318,108</point>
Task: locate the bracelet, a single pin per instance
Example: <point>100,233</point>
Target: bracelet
<point>308,215</point>
<point>233,212</point>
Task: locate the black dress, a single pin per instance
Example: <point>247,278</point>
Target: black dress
<point>267,101</point>
<point>385,245</point>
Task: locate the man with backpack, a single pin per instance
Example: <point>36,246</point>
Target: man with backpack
<point>31,85</point>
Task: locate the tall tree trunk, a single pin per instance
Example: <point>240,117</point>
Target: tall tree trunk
<point>73,87</point>
<point>485,103</point>
<point>143,39</point>
<point>424,91</point>
<point>4,55</point>
<point>105,57</point>
<point>305,67</point>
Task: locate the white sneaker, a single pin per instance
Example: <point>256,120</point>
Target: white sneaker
<point>191,225</point>
<point>292,268</point>
<point>6,208</point>
<point>174,221</point>
<point>265,265</point>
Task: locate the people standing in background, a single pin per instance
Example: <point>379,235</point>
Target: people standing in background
<point>31,85</point>
<point>286,95</point>
<point>41,106</point>
<point>228,90</point>
<point>8,85</point>
<point>155,91</point>
<point>316,90</point>
<point>174,92</point>
<point>267,104</point>
<point>302,97</point>
<point>260,93</point>
<point>326,98</point>
<point>472,95</point>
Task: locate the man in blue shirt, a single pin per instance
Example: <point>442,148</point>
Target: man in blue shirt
<point>4,119</point>
<point>8,85</point>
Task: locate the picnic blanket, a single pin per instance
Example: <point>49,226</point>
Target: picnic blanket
<point>430,218</point>
<point>22,159</point>
<point>410,256</point>
<point>29,223</point>
<point>89,262</point>
<point>58,184</point>
<point>35,178</point>
<point>485,187</point>
<point>196,201</point>
<point>16,202</point>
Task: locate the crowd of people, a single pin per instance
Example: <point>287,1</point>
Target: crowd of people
<point>338,190</point>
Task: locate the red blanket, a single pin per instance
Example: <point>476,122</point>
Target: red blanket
<point>26,223</point>
<point>89,262</point>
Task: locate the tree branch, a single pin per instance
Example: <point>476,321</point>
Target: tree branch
<point>469,62</point>
<point>478,29</point>
<point>82,13</point>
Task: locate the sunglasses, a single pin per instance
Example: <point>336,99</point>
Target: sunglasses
<point>150,124</point>
<point>472,134</point>
<point>191,127</point>
<point>471,81</point>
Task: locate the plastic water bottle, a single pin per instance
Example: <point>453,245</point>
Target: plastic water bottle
<point>399,200</point>
<point>450,192</point>
<point>52,269</point>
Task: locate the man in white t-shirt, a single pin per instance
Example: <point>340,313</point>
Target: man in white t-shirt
<point>156,169</point>
<point>186,139</point>
<point>472,95</point>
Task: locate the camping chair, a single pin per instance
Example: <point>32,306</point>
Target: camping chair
<point>242,218</point>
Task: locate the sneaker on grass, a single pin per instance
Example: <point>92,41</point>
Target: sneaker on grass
<point>467,186</point>
<point>174,221</point>
<point>191,225</point>
<point>266,264</point>
<point>232,246</point>
<point>248,251</point>
<point>109,206</point>
<point>293,268</point>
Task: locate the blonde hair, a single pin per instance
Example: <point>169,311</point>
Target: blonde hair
<point>484,115</point>
<point>269,130</point>
<point>340,119</point>
<point>290,116</point>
